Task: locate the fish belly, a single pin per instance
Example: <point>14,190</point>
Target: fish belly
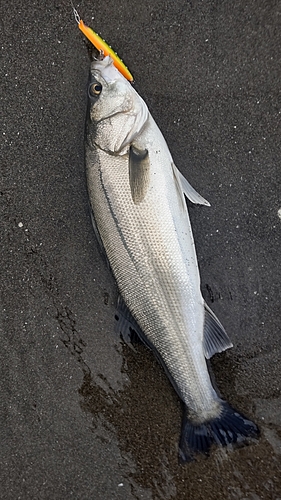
<point>151,251</point>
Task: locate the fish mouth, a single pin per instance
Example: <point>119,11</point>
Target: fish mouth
<point>104,68</point>
<point>100,56</point>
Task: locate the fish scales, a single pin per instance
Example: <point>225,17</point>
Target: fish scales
<point>151,280</point>
<point>141,217</point>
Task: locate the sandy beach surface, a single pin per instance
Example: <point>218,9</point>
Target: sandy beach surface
<point>83,415</point>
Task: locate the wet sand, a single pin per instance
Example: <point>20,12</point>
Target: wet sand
<point>84,415</point>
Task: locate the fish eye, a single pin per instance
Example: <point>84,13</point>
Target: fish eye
<point>95,89</point>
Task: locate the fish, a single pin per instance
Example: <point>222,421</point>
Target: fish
<point>140,216</point>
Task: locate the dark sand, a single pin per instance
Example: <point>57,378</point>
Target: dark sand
<point>84,416</point>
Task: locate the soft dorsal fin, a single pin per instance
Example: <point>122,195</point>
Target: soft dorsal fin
<point>139,166</point>
<point>126,324</point>
<point>188,190</point>
<point>215,337</point>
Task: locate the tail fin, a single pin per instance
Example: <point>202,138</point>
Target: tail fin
<point>230,427</point>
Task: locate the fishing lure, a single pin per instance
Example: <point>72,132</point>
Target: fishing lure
<point>101,45</point>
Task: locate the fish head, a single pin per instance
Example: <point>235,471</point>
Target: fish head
<point>115,108</point>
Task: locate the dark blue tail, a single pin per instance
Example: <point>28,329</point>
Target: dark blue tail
<point>229,428</point>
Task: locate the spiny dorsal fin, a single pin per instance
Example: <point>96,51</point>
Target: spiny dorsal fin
<point>138,173</point>
<point>98,236</point>
<point>215,337</point>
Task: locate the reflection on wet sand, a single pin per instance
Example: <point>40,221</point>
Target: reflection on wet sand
<point>145,419</point>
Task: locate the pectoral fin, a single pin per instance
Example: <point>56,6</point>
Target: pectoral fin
<point>139,166</point>
<point>188,190</point>
<point>215,337</point>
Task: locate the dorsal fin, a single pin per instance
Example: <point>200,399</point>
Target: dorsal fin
<point>215,337</point>
<point>126,324</point>
<point>98,236</point>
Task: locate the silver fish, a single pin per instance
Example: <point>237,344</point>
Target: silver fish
<point>140,217</point>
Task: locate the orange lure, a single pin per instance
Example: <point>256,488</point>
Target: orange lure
<point>100,44</point>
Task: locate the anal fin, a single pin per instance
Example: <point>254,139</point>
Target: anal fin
<point>215,337</point>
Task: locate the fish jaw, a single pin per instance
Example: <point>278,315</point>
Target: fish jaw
<point>119,111</point>
<point>106,69</point>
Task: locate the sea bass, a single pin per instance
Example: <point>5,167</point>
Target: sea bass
<point>140,217</point>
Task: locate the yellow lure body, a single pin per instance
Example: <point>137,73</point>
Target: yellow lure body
<point>100,44</point>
